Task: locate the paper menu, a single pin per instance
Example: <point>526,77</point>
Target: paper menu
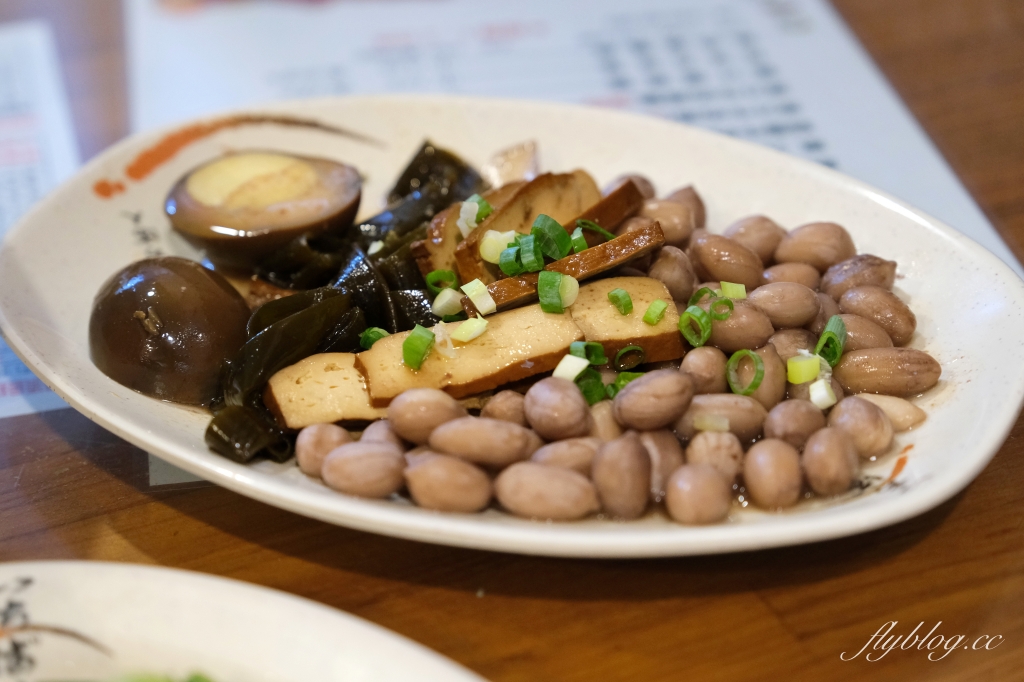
<point>37,151</point>
<point>785,73</point>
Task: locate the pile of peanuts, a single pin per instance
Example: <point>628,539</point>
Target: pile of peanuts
<point>677,435</point>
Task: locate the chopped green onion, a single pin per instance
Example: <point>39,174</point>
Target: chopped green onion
<point>570,367</point>
<point>481,298</point>
<point>470,329</point>
<point>483,209</point>
<point>832,340</point>
<point>594,227</point>
<point>620,382</point>
<point>555,242</point>
<point>591,385</point>
<point>568,289</point>
<point>710,422</point>
<point>416,346</point>
<point>802,368</point>
<point>441,279</point>
<point>591,350</point>
<point>493,243</point>
<point>732,290</point>
<point>699,294</point>
<point>448,302</point>
<point>733,376</point>
<point>629,357</point>
<point>655,311</point>
<point>530,254</point>
<point>695,315</point>
<point>822,395</point>
<point>621,300</point>
<point>579,242</point>
<point>509,262</point>
<point>548,285</point>
<point>371,336</point>
<point>717,314</point>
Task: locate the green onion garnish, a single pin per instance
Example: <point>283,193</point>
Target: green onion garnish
<point>548,284</point>
<point>695,315</point>
<point>732,290</point>
<point>594,227</point>
<point>570,367</point>
<point>480,296</point>
<point>591,385</point>
<point>721,314</point>
<point>448,302</point>
<point>509,262</point>
<point>591,350</point>
<point>579,242</point>
<point>441,279</point>
<point>699,294</point>
<point>371,336</point>
<point>802,368</point>
<point>620,382</point>
<point>733,376</point>
<point>629,357</point>
<point>655,311</point>
<point>554,241</point>
<point>416,346</point>
<point>830,344</point>
<point>483,209</point>
<point>621,300</point>
<point>530,254</point>
<point>469,330</point>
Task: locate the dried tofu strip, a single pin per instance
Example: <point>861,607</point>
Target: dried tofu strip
<point>563,197</point>
<point>321,388</point>
<point>517,344</point>
<point>522,289</point>
<point>623,202</point>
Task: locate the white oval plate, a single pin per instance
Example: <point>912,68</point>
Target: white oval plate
<point>970,308</point>
<point>100,621</point>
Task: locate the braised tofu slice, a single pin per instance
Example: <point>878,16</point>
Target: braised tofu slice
<point>601,321</point>
<point>562,196</point>
<point>322,388</point>
<point>437,251</point>
<point>517,344</point>
<point>522,289</point>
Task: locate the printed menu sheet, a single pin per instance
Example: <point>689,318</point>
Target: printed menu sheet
<point>784,73</point>
<point>37,151</point>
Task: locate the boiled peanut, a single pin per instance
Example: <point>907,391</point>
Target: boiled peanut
<point>803,391</point>
<point>673,269</point>
<point>882,307</point>
<point>853,272</point>
<point>677,220</point>
<point>819,244</point>
<point>758,233</point>
<point>865,424</point>
<point>773,382</point>
<point>747,327</point>
<point>718,449</point>
<point>381,431</point>
<point>602,420</point>
<point>571,453</point>
<point>364,469</point>
<point>448,484</point>
<point>789,342</point>
<point>903,414</point>
<point>891,371</point>
<point>507,406</point>
<point>545,492</point>
<point>621,472</point>
<point>556,409</point>
<point>642,183</point>
<point>787,304</point>
<point>745,415</point>
<point>828,309</point>
<point>414,413</point>
<point>687,196</point>
<point>794,421</point>
<point>314,443</point>
<point>706,367</point>
<point>697,494</point>
<point>654,401</point>
<point>492,442</point>
<point>771,473</point>
<point>666,456</point>
<point>830,462</point>
<point>720,258</point>
<point>863,333</point>
<point>801,273</point>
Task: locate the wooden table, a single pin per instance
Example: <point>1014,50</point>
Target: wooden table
<point>69,489</point>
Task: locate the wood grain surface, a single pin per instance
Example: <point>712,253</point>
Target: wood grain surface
<point>69,489</point>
